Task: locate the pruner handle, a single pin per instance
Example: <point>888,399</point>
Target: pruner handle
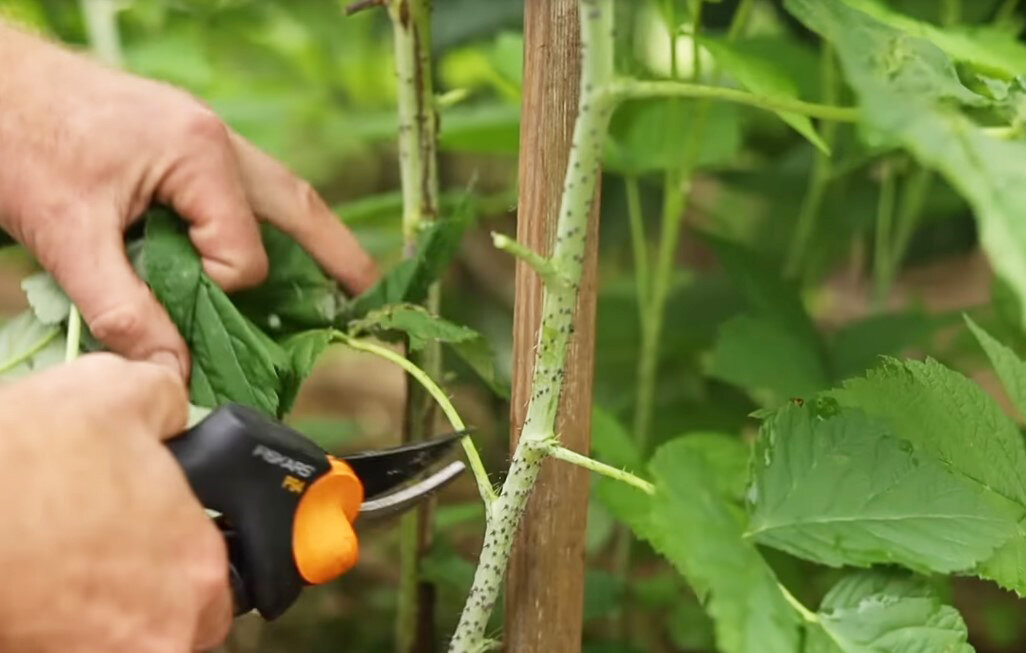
<point>285,507</point>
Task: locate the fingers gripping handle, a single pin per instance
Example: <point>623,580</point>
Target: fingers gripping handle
<point>286,507</point>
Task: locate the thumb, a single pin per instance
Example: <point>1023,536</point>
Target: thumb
<point>119,308</point>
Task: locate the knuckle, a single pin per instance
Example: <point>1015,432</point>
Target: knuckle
<point>204,125</point>
<point>121,322</point>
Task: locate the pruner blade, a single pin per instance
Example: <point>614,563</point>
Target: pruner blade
<point>388,476</point>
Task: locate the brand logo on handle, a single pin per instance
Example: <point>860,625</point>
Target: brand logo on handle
<point>279,459</point>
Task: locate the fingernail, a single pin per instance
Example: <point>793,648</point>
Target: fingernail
<point>170,361</point>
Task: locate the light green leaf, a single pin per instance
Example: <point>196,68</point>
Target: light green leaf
<point>232,359</point>
<point>946,416</point>
<point>755,67</point>
<point>700,532</point>
<point>768,359</point>
<point>46,298</point>
<point>840,487</point>
<point>886,612</point>
<point>727,456</point>
<point>909,94</point>
<point>415,322</point>
<point>992,49</point>
<point>28,345</point>
<point>1009,367</point>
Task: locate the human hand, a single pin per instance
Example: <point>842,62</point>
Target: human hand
<point>104,546</point>
<point>86,149</point>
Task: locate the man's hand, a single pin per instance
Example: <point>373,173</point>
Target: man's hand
<point>84,150</point>
<point>104,548</point>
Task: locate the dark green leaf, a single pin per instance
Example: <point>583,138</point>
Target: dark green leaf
<point>858,346</point>
<point>652,135</point>
<point>768,359</point>
<point>295,295</point>
<point>232,359</point>
<point>479,356</point>
<point>409,281</point>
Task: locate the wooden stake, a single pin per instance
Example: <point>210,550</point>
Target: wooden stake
<point>545,590</point>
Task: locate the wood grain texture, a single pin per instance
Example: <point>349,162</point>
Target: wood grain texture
<point>545,584</point>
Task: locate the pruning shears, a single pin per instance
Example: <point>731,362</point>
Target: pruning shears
<point>286,508</point>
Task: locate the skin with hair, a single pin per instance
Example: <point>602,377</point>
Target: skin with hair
<point>110,549</point>
<point>86,149</point>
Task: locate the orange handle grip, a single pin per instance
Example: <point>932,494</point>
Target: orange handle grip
<point>324,543</point>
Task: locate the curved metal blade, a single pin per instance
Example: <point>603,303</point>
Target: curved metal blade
<point>383,471</point>
<point>407,497</point>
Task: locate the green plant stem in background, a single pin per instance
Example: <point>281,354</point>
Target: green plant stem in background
<point>74,339</point>
<point>639,244</point>
<point>100,17</point>
<point>595,107</point>
<point>418,169</point>
<point>882,258</point>
<point>951,12</point>
<point>675,192</point>
<point>634,89</point>
<point>1007,10</point>
<point>740,19</point>
<point>562,453</point>
<point>910,210</point>
<point>696,46</point>
<point>819,181</point>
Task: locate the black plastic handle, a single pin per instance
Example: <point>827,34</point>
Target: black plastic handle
<point>239,462</point>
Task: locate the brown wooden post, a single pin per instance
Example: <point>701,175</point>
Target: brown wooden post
<point>545,585</point>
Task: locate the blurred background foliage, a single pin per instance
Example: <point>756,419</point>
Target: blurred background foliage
<point>316,89</point>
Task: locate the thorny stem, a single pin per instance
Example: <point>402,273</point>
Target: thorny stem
<point>418,166</point>
<point>23,356</point>
<point>476,466</point>
<point>593,465</point>
<point>558,309</point>
<point>633,89</point>
<point>819,182</point>
<point>74,340</point>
